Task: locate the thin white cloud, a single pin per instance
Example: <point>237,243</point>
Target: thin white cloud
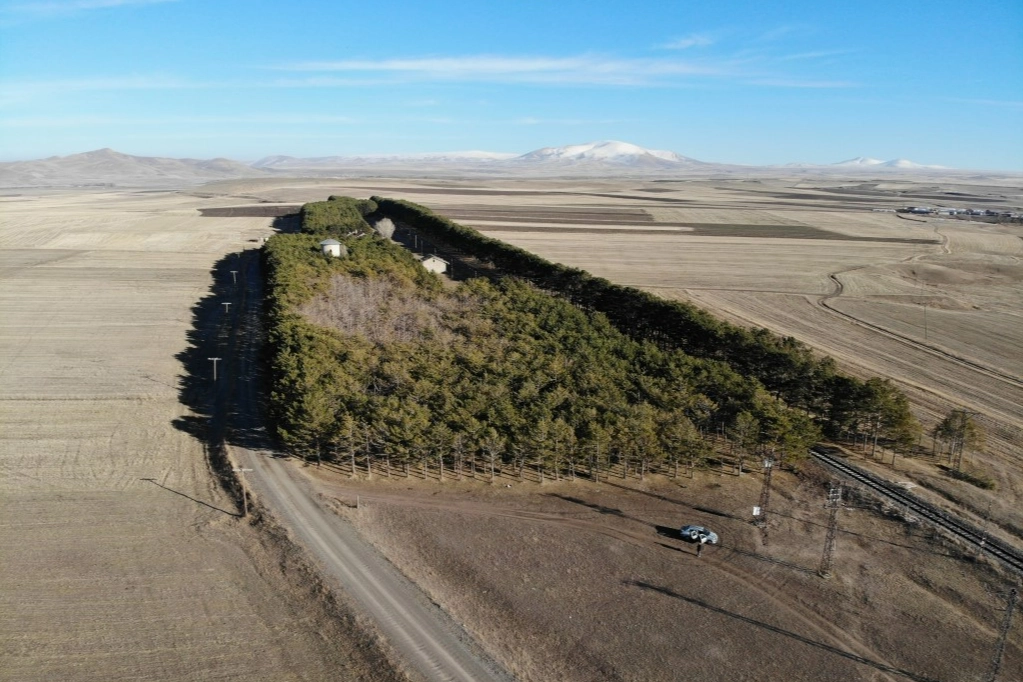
<point>533,120</point>
<point>784,31</point>
<point>811,56</point>
<point>56,8</point>
<point>249,119</point>
<point>16,92</point>
<point>798,83</point>
<point>694,40</point>
<point>585,69</point>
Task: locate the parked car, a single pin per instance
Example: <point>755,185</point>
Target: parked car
<point>698,534</point>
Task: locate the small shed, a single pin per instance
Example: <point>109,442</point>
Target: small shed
<point>435,264</point>
<point>332,247</point>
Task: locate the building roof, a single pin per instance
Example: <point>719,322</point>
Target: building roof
<point>330,242</point>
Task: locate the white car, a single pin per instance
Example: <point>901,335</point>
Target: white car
<point>698,534</point>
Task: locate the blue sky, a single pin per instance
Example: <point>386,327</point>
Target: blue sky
<point>739,82</point>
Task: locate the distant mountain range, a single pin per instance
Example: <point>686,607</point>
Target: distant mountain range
<point>595,159</point>
<point>107,167</point>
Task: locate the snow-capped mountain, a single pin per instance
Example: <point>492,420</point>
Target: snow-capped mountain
<point>606,152</point>
<point>862,162</point>
<point>903,163</point>
<point>595,159</point>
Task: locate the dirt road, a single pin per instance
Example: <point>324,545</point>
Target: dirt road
<point>431,643</point>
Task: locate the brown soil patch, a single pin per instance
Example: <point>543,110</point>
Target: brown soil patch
<point>583,581</point>
<point>705,230</point>
<point>258,211</point>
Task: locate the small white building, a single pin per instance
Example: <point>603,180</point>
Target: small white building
<point>332,247</point>
<point>435,264</point>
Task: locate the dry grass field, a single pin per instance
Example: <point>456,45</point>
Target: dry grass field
<point>577,581</point>
<point>568,581</point>
<point>121,558</point>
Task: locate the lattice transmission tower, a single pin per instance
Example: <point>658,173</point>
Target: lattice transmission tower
<point>833,504</point>
<point>996,661</point>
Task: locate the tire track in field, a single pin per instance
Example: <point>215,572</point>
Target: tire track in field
<point>990,372</point>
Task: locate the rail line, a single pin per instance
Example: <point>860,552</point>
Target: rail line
<point>952,525</point>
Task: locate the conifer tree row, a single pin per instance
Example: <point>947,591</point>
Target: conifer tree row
<point>372,359</point>
<point>843,406</point>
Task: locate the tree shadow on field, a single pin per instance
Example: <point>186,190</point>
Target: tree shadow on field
<point>656,496</point>
<point>224,395</point>
<point>208,338</point>
<point>611,511</point>
<point>777,630</point>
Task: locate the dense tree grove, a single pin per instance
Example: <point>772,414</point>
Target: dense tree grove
<point>842,406</point>
<point>374,360</point>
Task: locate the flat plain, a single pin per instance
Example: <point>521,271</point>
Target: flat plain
<point>570,580</point>
<point>122,558</point>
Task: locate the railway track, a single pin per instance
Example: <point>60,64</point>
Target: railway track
<point>954,526</point>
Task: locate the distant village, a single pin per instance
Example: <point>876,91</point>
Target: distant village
<point>947,211</point>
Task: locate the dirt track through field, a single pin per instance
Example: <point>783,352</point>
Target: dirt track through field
<point>824,301</point>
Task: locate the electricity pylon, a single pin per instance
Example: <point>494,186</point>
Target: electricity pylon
<point>833,503</point>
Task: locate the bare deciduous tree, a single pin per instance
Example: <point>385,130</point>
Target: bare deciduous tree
<point>385,228</point>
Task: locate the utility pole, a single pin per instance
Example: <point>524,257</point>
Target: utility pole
<point>245,493</point>
<point>833,503</point>
<point>227,307</point>
<point>760,511</point>
<point>996,662</point>
<point>234,276</point>
<point>214,361</point>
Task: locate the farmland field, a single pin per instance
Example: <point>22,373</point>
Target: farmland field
<point>574,581</point>
<point>122,559</point>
